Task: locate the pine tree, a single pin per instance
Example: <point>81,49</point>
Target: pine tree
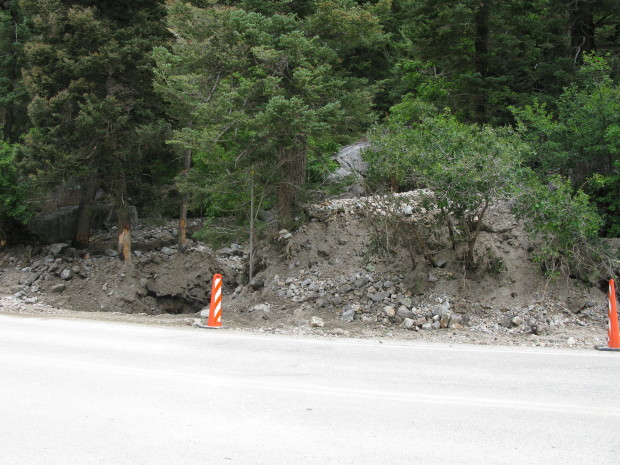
<point>89,75</point>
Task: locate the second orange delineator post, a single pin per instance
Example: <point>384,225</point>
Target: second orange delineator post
<point>613,338</point>
<point>215,309</point>
<point>613,334</point>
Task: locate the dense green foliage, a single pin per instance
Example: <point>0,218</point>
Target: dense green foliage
<point>157,103</point>
<point>13,191</point>
<point>565,226</point>
<point>464,167</point>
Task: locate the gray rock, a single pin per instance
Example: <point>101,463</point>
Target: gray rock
<point>31,278</point>
<point>317,322</point>
<point>345,288</point>
<point>264,308</point>
<point>404,313</point>
<point>57,248</point>
<point>388,284</point>
<point>406,301</point>
<point>258,283</point>
<point>407,210</point>
<point>409,324</point>
<point>168,251</point>
<point>378,296</point>
<point>56,226</point>
<point>348,314</point>
<point>58,288</point>
<point>427,326</point>
<point>436,325</point>
<point>361,282</point>
<point>506,321</point>
<point>432,278</point>
<point>351,162</point>
<point>66,274</point>
<point>517,321</point>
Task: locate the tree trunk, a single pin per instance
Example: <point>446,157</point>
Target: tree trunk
<point>85,212</point>
<point>581,29</point>
<point>481,59</point>
<point>123,216</point>
<point>124,233</point>
<point>292,163</point>
<point>187,161</point>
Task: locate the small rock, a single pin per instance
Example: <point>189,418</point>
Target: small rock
<point>58,288</point>
<point>348,314</point>
<point>404,312</point>
<point>317,322</point>
<point>378,296</point>
<point>571,341</point>
<point>389,311</point>
<point>517,321</point>
<point>436,325</point>
<point>110,253</point>
<point>66,274</point>
<point>457,326</point>
<point>432,279</point>
<point>409,324</point>
<point>338,332</point>
<point>168,251</point>
<point>427,326</point>
<point>258,282</point>
<point>57,249</point>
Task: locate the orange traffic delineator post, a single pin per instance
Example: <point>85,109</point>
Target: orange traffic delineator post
<point>215,309</point>
<point>613,335</point>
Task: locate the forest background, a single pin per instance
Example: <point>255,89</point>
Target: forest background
<point>201,106</point>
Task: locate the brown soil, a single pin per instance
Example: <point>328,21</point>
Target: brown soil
<point>323,269</point>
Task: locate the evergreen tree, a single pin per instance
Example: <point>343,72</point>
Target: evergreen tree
<point>89,75</point>
<point>257,88</point>
<point>13,97</point>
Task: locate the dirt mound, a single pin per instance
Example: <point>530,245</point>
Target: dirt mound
<point>160,280</point>
<point>327,277</point>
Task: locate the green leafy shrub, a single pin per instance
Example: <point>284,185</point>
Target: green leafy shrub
<point>565,227</point>
<point>464,167</point>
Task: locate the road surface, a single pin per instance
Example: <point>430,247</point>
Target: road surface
<point>87,392</point>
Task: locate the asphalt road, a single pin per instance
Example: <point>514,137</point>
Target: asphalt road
<point>87,392</point>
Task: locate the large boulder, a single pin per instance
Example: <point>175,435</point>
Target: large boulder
<point>350,160</point>
<point>55,226</point>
